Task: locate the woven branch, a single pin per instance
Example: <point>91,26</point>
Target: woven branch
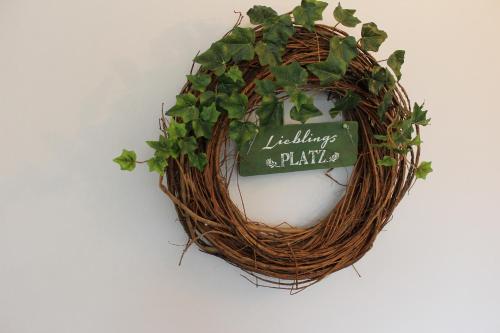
<point>284,256</point>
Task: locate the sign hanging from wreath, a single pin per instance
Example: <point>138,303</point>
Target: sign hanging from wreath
<point>236,99</point>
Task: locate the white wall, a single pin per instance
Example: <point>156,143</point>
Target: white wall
<point>86,248</point>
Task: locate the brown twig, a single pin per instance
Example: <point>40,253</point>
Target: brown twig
<point>288,257</point>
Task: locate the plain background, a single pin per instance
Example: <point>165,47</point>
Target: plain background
<point>87,248</point>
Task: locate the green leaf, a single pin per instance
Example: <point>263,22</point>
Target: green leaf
<point>185,107</point>
<point>242,132</point>
<point>240,44</point>
<point>419,115</point>
<point>270,111</point>
<point>329,71</point>
<point>202,129</point>
<point>416,141</point>
<point>203,126</point>
<point>395,61</point>
<point>200,81</point>
<point>126,160</point>
<point>292,75</point>
<point>265,87</point>
<point>346,103</point>
<point>380,77</point>
<point>235,74</point>
<point>404,130</point>
<point>235,105</point>
<point>372,37</point>
<point>346,16</point>
<point>380,137</point>
<point>268,53</point>
<point>165,147</point>
<point>387,161</point>
<point>187,145</point>
<point>342,51</point>
<point>384,105</point>
<point>261,15</point>
<point>308,12</point>
<point>231,81</point>
<point>157,164</point>
<point>210,114</point>
<point>278,31</point>
<point>207,98</point>
<point>343,48</point>
<point>303,107</point>
<point>199,161</point>
<point>423,170</point>
<point>176,130</point>
<point>215,58</point>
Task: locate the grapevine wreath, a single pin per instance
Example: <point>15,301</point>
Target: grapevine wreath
<point>239,90</point>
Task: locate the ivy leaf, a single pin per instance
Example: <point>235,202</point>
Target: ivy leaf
<point>199,81</point>
<point>291,75</point>
<point>384,105</point>
<point>380,77</point>
<point>235,74</point>
<point>231,81</point>
<point>203,126</point>
<point>419,115</point>
<point>268,53</point>
<point>346,16</point>
<point>126,160</point>
<point>387,161</point>
<point>303,108</point>
<point>342,51</point>
<point>308,12</point>
<point>404,132</point>
<point>242,132</point>
<point>185,107</point>
<point>199,161</point>
<point>165,147</point>
<point>157,164</point>
<point>187,145</point>
<point>215,58</point>
<point>423,170</point>
<point>279,30</point>
<point>235,105</point>
<point>176,130</point>
<point>343,48</point>
<point>346,103</point>
<point>202,129</point>
<point>270,111</point>
<point>395,61</point>
<point>380,137</point>
<point>210,114</point>
<point>329,71</point>
<point>261,15</point>
<point>240,43</point>
<point>265,87</point>
<point>207,98</point>
<point>372,37</point>
<point>416,141</point>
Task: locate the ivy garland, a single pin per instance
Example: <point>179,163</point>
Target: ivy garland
<point>196,112</point>
<point>217,96</point>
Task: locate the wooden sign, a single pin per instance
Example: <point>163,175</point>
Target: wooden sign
<point>301,147</point>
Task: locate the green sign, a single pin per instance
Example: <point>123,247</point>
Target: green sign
<point>300,147</point>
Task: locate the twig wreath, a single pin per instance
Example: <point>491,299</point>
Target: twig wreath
<point>250,71</point>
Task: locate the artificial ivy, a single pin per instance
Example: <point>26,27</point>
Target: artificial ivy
<point>216,89</point>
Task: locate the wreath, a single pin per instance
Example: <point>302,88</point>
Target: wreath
<point>239,90</point>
